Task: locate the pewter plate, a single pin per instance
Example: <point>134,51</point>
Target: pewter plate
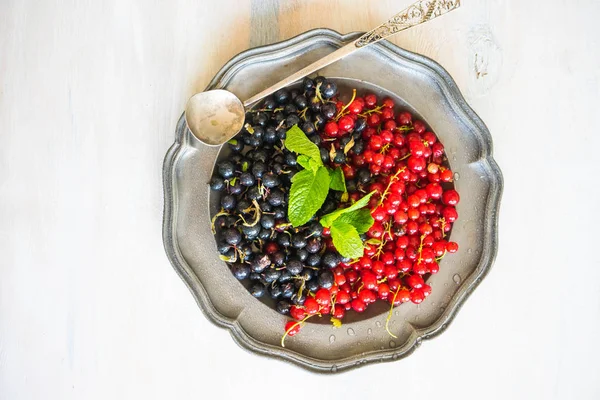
<point>417,83</point>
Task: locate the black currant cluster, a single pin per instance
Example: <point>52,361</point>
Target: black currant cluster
<point>252,230</point>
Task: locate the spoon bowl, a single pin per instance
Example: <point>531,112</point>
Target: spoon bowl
<point>214,116</point>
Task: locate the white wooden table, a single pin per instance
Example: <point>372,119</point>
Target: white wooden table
<point>90,308</point>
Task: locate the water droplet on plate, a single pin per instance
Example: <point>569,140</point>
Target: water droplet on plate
<point>442,309</point>
<point>369,331</point>
<point>469,251</point>
<point>456,278</point>
<point>392,343</point>
<point>334,368</point>
<point>378,324</point>
<point>351,332</point>
<point>456,176</point>
<point>395,356</point>
<point>454,158</point>
<point>331,339</point>
<point>396,312</point>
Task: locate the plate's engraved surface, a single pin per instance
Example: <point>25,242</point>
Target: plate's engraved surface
<point>412,80</point>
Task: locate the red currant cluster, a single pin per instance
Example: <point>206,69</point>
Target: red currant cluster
<point>413,208</point>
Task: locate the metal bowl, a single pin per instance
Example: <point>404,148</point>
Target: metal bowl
<point>415,82</point>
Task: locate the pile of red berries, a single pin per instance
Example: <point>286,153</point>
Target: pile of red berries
<point>413,208</point>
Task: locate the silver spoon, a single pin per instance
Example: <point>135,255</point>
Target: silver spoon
<point>216,116</point>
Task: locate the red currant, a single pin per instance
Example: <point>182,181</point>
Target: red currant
<point>331,129</point>
<point>417,296</point>
<point>403,296</point>
<point>367,296</point>
<point>388,103</point>
<point>370,100</point>
<point>415,281</point>
<point>311,306</point>
<point>449,213</point>
<point>343,297</point>
<point>375,142</point>
<point>389,125</point>
<point>404,265</point>
<point>349,171</point>
<point>292,327</point>
<point>369,279</point>
<point>383,291</point>
<point>419,127</point>
<point>416,164</point>
<point>297,313</point>
<point>373,120</point>
<point>378,267</point>
<point>391,272</point>
<point>434,190</point>
<point>450,197</point>
<point>416,147</point>
<point>358,305</point>
<point>356,106</point>
<point>322,296</point>
<point>386,136</point>
<point>387,114</point>
<point>420,268</point>
<point>452,247</point>
<point>404,118</point>
<point>446,175</point>
<point>346,123</point>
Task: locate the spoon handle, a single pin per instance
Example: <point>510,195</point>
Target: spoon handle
<point>417,13</point>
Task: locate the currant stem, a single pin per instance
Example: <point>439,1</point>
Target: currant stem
<point>341,113</point>
<point>389,317</point>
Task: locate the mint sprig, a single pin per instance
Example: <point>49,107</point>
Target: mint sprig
<point>309,190</point>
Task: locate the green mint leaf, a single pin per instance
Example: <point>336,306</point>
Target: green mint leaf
<point>307,194</point>
<point>338,182</point>
<point>298,142</point>
<point>328,219</point>
<point>315,163</point>
<point>304,161</point>
<point>308,163</point>
<point>359,219</point>
<point>346,240</point>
